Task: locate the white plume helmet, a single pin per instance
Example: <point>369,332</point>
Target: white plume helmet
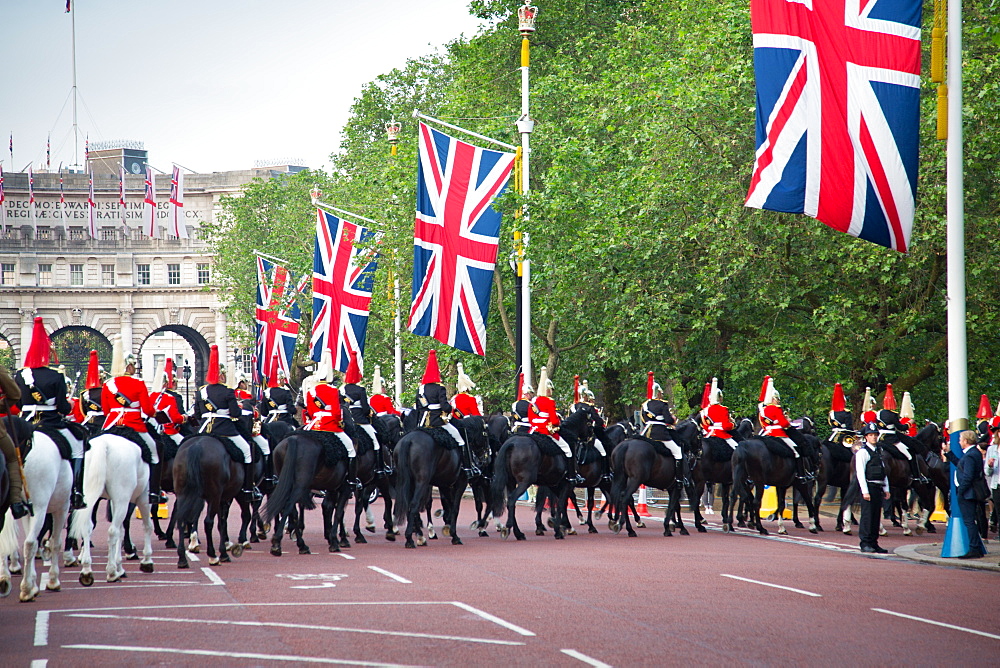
<point>585,391</point>
<point>544,384</point>
<point>159,381</point>
<point>325,369</point>
<point>771,395</point>
<point>906,408</point>
<point>117,356</point>
<point>377,380</point>
<point>464,383</point>
<point>715,394</point>
<point>868,403</point>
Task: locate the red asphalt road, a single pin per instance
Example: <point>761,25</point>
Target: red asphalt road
<point>600,599</point>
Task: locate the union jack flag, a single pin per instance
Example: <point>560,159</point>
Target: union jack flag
<point>342,288</point>
<point>149,203</point>
<point>177,225</point>
<point>277,315</point>
<point>455,239</point>
<point>837,113</point>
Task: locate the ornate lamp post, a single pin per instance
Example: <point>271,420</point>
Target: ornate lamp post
<point>186,372</point>
<point>392,134</point>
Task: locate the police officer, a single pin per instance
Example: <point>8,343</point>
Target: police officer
<point>656,418</point>
<point>432,400</point>
<point>874,483</point>
<point>361,412</point>
<point>44,402</point>
<point>9,395</point>
<point>219,411</point>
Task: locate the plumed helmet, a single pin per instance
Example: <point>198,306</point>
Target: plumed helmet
<point>432,373</point>
<point>771,395</point>
<point>839,402</point>
<point>544,384</point>
<point>118,356</point>
<point>906,408</point>
<point>763,389</point>
<point>984,408</point>
<point>586,395</point>
<point>353,373</point>
<point>715,394</point>
<point>377,380</point>
<point>526,390</point>
<point>464,383</point>
<point>93,372</point>
<point>39,351</point>
<point>212,373</point>
<point>576,389</point>
<point>275,371</point>
<point>168,374</point>
<point>889,400</point>
<point>650,385</point>
<point>705,395</point>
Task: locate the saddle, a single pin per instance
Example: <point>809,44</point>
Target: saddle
<point>586,453</point>
<point>130,434</point>
<point>333,450</point>
<point>839,452</point>
<point>718,450</point>
<point>363,441</point>
<point>890,447</point>
<point>777,447</point>
<point>657,446</point>
<point>546,445</point>
<point>441,437</point>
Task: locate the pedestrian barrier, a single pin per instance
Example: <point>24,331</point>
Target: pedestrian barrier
<point>162,512</point>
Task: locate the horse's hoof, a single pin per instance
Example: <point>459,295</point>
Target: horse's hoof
<point>194,549</point>
<point>28,597</point>
<point>225,559</point>
<point>520,536</point>
<point>813,530</point>
<point>701,529</point>
<point>170,545</point>
<point>640,525</point>
<point>421,540</point>
<point>181,564</point>
<point>446,530</point>
<point>560,535</point>
<point>253,538</point>
<point>438,513</point>
<point>505,533</point>
<point>334,548</point>
<point>551,524</point>
<point>131,556</point>
<point>919,530</point>
<point>726,528</point>
<point>539,531</point>
<point>484,534</point>
<point>907,532</point>
<point>261,535</point>
<point>932,529</point>
<point>71,563</point>
<point>390,536</point>
<point>5,588</point>
<point>633,534</point>
<point>304,550</point>
<point>683,531</point>
<point>882,531</point>
<point>896,523</point>
<point>741,524</point>
<point>591,529</point>
<point>146,568</point>
<point>764,532</point>
<point>275,551</point>
<point>265,528</point>
<point>116,578</point>
<point>213,561</point>
<point>598,515</point>
<point>615,527</point>
<point>53,587</point>
<point>456,540</point>
<point>798,525</point>
<point>360,539</point>
<point>410,545</point>
<point>847,532</point>
<point>782,532</point>
<point>819,528</point>
<point>344,542</point>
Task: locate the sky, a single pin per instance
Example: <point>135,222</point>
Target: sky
<point>211,85</point>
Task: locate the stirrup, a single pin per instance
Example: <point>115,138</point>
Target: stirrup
<point>21,508</point>
<point>76,501</point>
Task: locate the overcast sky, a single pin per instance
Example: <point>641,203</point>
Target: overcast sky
<point>211,85</point>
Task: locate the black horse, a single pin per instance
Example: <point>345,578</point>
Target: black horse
<point>204,472</point>
<point>535,459</point>
<point>713,466</point>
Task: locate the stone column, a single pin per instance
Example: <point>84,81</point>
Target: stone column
<point>27,325</point>
<point>126,325</point>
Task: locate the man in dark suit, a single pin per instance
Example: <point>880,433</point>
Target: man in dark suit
<point>970,469</point>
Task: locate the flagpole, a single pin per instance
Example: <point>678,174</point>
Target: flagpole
<point>76,127</point>
<point>526,25</point>
<point>392,129</point>
<point>956,542</point>
<point>417,114</point>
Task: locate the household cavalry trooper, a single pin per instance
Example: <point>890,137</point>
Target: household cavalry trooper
<point>10,393</point>
<point>583,397</point>
<point>464,403</point>
<point>715,418</point>
<point>356,399</point>
<point>545,420</point>
<point>324,412</point>
<point>890,428</point>
<point>868,412</point>
<point>432,400</point>
<point>519,409</point>
<point>381,403</point>
<point>89,411</point>
<point>126,403</point>
<point>656,418</point>
<point>773,423</point>
<point>907,415</point>
<point>168,405</point>
<point>982,418</point>
<point>242,391</point>
<point>44,402</point>
<point>217,407</point>
<point>839,418</point>
<point>277,403</point>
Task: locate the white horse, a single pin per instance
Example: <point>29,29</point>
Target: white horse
<point>49,479</point>
<point>113,470</point>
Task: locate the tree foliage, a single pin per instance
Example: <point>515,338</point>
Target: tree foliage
<point>643,255</point>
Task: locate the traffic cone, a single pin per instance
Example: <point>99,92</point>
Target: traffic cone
<point>769,501</point>
<point>161,512</point>
<point>641,507</point>
<point>939,514</point>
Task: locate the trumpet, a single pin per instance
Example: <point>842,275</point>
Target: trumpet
<point>850,439</point>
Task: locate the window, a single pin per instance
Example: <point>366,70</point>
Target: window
<point>203,275</point>
<point>76,275</point>
<point>173,274</point>
<point>76,233</point>
<point>44,233</point>
<point>109,234</point>
<point>45,274</point>
<point>7,273</point>
<point>142,274</point>
<point>107,274</point>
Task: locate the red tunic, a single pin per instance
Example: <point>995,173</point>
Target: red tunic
<point>773,421</point>
<point>164,402</point>
<point>382,404</point>
<point>323,408</point>
<point>77,414</point>
<point>542,415</point>
<point>242,394</point>
<point>465,404</point>
<point>126,403</point>
<point>718,422</point>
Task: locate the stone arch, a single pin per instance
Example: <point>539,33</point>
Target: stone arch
<point>72,345</point>
<point>198,345</point>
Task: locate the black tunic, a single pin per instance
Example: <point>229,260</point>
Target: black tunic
<point>357,399</point>
<point>432,402</point>
<point>219,399</point>
<point>48,385</point>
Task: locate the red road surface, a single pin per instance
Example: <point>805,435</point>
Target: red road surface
<point>600,599</point>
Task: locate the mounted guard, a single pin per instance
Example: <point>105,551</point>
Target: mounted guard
<point>432,400</point>
<point>774,424</point>
<point>893,433</point>
<point>90,412</point>
<point>277,402</point>
<point>656,425</point>
<point>464,403</point>
<point>545,420</point>
<point>715,417</point>
<point>361,412</point>
<point>9,396</point>
<point>168,405</point>
<point>325,410</point>
<point>380,402</point>
<point>519,409</point>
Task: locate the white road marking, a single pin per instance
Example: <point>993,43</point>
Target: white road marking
<point>39,663</point>
<point>319,586</point>
<point>388,574</point>
<point>768,584</point>
<point>311,627</point>
<point>233,655</point>
<point>496,620</point>
<point>42,628</point>
<point>586,659</point>
<point>344,555</point>
<point>212,575</point>
<point>192,556</point>
<point>931,621</point>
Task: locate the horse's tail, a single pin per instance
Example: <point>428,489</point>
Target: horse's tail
<point>9,539</point>
<point>498,488</point>
<point>739,463</point>
<point>290,488</point>
<point>619,482</point>
<point>188,505</point>
<point>404,480</point>
<point>94,479</point>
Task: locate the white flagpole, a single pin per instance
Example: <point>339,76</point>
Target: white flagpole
<point>398,348</point>
<point>526,25</point>
<point>3,205</point>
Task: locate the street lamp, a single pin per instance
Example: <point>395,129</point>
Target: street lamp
<point>186,372</point>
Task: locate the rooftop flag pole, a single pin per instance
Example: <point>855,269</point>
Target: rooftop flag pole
<point>31,200</point>
<point>3,205</point>
<point>62,201</point>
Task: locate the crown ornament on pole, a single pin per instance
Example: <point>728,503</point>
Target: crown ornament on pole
<point>392,129</point>
<point>526,18</point>
<point>315,193</point>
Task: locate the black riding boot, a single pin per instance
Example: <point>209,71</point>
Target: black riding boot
<point>352,473</point>
<point>270,480</point>
<point>385,462</point>
<point>155,497</point>
<point>249,491</point>
<point>918,477</point>
<point>800,469</point>
<point>76,497</point>
<point>608,475</point>
<point>571,473</point>
<point>470,468</point>
<point>685,469</point>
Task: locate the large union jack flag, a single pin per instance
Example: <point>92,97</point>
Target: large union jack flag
<point>455,239</point>
<point>277,317</point>
<point>838,113</point>
<point>343,275</point>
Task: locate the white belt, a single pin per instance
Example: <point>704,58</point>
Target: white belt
<point>93,414</point>
<point>221,416</point>
<point>122,410</point>
<point>433,407</point>
<point>38,407</point>
<point>887,431</point>
<point>662,424</point>
<point>247,412</point>
<point>279,410</point>
<point>319,414</point>
<point>717,425</point>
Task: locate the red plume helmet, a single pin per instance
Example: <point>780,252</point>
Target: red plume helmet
<point>649,385</point>
<point>93,372</point>
<point>273,380</point>
<point>40,350</point>
<point>212,375</point>
<point>763,390</point>
<point>839,403</point>
<point>576,389</point>
<point>432,374</point>
<point>706,395</point>
<point>889,400</point>
<point>353,374</point>
<point>168,372</point>
<point>984,408</point>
